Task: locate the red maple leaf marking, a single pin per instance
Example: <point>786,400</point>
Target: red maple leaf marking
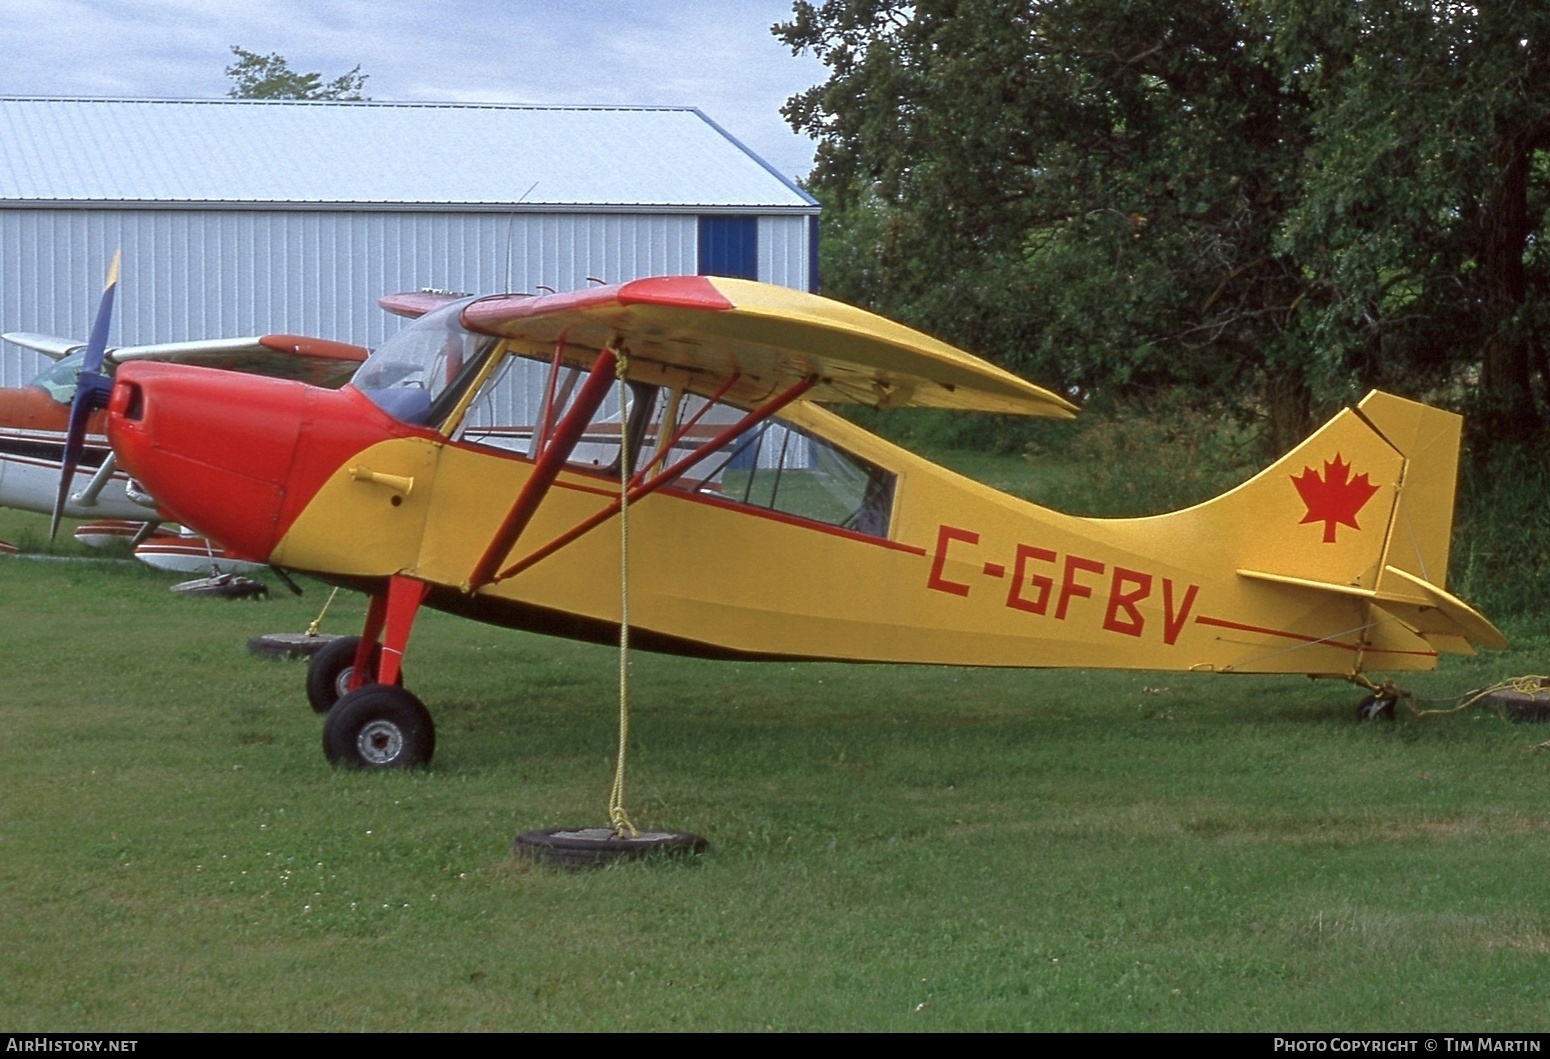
<point>1335,498</point>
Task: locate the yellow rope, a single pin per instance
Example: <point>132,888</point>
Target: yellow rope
<point>1524,685</point>
<point>616,814</point>
<point>1531,684</point>
<point>312,630</point>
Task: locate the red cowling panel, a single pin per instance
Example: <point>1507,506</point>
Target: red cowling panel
<point>236,457</point>
<point>214,447</point>
<point>322,348</point>
<point>339,425</point>
<point>681,292</point>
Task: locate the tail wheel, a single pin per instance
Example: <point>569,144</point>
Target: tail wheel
<point>330,670</point>
<point>379,727</point>
<point>1375,708</point>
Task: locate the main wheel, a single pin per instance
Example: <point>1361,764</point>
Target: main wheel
<point>379,727</point>
<point>329,672</point>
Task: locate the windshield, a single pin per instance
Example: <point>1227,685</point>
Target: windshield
<point>58,381</point>
<point>415,376</point>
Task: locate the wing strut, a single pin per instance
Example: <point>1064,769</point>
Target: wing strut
<point>553,456</point>
<point>639,488</point>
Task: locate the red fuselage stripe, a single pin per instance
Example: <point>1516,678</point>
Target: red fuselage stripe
<point>1222,623</point>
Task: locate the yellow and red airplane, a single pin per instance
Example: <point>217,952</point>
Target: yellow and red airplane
<point>760,524</point>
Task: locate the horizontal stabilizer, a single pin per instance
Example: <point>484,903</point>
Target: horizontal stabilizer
<point>1450,625</point>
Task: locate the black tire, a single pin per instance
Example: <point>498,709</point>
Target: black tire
<point>330,669</point>
<point>379,727</point>
<point>1375,708</point>
<point>593,847</point>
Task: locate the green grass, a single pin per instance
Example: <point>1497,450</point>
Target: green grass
<point>29,532</point>
<point>891,847</point>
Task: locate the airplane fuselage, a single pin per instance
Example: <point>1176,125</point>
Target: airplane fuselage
<point>953,572</point>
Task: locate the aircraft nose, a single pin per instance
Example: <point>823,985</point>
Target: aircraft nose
<point>213,447</point>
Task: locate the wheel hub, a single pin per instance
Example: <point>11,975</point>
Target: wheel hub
<point>380,742</point>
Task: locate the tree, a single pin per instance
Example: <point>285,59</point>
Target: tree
<point>1088,192</point>
<point>257,76</point>
<point>1425,207</point>
<point>1273,202</point>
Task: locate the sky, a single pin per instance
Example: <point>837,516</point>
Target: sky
<point>717,55</point>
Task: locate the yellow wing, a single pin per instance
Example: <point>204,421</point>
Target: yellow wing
<point>700,331</point>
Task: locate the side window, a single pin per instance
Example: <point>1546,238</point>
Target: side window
<point>508,413</point>
<point>504,413</point>
<point>773,466</point>
<point>777,467</point>
<point>420,373</point>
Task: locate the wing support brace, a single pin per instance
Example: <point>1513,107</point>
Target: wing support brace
<point>640,488</point>
<point>564,441</point>
<point>555,452</point>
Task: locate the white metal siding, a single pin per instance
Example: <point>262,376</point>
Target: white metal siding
<point>783,251</point>
<point>223,273</point>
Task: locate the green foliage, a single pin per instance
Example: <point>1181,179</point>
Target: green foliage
<point>257,76</point>
<point>1149,458</point>
<point>1418,221</point>
<point>1277,204</point>
<point>1089,193</point>
<point>1501,537</point>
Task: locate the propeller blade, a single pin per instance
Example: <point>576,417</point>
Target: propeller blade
<point>91,393</point>
<point>97,344</point>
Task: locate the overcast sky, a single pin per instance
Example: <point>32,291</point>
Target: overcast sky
<point>717,55</point>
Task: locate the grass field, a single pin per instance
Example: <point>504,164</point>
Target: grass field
<point>891,847</point>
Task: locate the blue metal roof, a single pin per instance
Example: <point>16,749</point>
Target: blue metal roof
<point>294,155</point>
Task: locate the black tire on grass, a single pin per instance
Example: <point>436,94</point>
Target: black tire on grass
<point>286,645</point>
<point>328,674</point>
<point>379,727</point>
<point>1375,708</point>
<point>594,847</point>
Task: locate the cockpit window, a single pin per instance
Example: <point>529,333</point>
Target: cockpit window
<point>417,375</point>
<point>775,465</point>
<point>779,467</point>
<point>58,381</point>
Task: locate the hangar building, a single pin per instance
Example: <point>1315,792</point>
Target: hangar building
<point>242,217</point>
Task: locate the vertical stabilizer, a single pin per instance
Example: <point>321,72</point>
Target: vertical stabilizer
<point>1422,527</point>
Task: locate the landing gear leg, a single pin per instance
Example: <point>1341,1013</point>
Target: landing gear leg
<point>367,654</point>
<point>377,725</point>
<point>404,596</point>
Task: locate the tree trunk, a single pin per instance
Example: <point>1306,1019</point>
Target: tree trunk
<point>1506,394</point>
<point>1290,403</point>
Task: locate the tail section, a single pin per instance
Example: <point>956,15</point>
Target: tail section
<point>1375,492</point>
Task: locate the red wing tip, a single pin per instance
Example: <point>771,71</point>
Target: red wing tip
<point>683,292</point>
<point>679,292</point>
<point>415,304</point>
<point>322,348</point>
